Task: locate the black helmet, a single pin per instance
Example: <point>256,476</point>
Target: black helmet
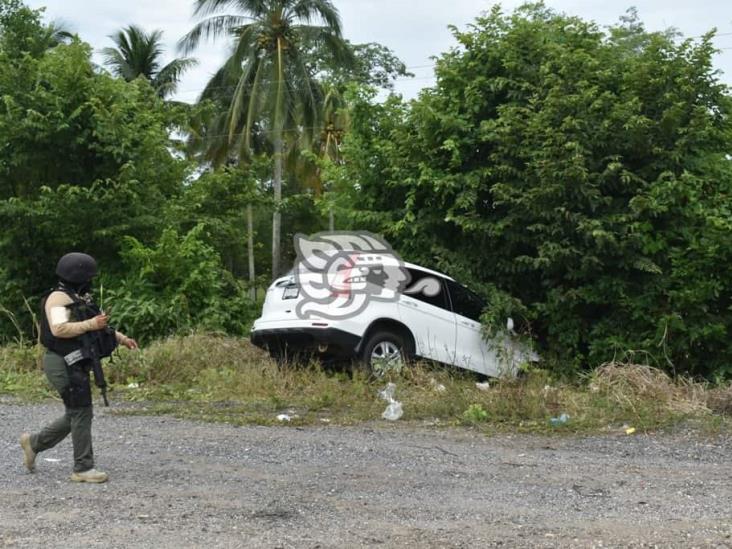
<point>76,268</point>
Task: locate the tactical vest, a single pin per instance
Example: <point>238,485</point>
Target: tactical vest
<point>105,341</point>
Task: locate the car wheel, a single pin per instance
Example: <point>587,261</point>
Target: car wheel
<point>385,352</point>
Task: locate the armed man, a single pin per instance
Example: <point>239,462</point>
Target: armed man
<point>76,335</point>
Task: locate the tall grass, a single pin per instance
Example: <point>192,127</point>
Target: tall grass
<point>227,379</point>
<point>21,372</point>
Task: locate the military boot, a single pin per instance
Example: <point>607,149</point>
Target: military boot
<point>92,475</point>
<point>29,456</point>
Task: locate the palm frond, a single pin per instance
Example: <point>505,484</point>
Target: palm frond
<point>138,53</point>
<point>238,99</point>
<point>116,61</point>
<point>139,50</point>
<point>203,8</point>
<point>245,46</point>
<point>254,96</point>
<point>307,91</point>
<point>211,28</point>
<point>57,33</point>
<point>266,88</point>
<point>310,10</point>
<point>166,81</point>
<point>219,87</point>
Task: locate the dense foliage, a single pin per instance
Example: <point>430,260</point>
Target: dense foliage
<point>176,286</point>
<point>86,163</point>
<point>138,55</point>
<point>580,179</point>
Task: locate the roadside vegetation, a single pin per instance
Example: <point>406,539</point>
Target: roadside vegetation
<point>220,378</point>
<point>578,177</point>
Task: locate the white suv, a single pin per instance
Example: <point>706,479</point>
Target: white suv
<point>440,322</point>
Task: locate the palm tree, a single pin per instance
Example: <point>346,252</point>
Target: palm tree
<point>266,76</point>
<point>56,33</point>
<point>138,54</point>
<point>208,143</point>
<point>335,124</point>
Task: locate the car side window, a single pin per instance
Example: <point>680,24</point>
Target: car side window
<point>429,293</point>
<point>465,302</point>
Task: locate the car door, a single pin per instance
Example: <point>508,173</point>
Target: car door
<point>424,308</point>
<point>472,352</point>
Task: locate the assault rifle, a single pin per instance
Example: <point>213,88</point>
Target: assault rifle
<point>95,345</point>
<point>90,350</point>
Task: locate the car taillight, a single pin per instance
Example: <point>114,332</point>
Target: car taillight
<point>291,292</point>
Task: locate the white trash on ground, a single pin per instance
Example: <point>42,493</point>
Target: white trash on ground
<point>387,393</point>
<point>561,420</point>
<point>483,386</point>
<point>394,409</point>
<point>439,387</point>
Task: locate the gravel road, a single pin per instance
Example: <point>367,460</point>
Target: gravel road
<point>179,484</point>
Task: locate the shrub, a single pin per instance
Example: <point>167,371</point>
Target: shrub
<point>578,177</point>
<point>177,286</point>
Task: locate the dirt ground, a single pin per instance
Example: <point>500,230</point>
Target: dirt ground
<point>179,483</point>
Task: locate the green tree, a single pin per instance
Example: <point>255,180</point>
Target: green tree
<point>56,33</point>
<point>270,88</point>
<point>138,54</point>
<point>209,144</point>
<point>177,285</point>
<point>224,199</point>
<point>85,161</point>
<point>23,31</point>
<point>579,178</point>
<point>372,64</point>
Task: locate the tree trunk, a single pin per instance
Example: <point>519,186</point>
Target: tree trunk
<point>250,253</point>
<point>278,126</point>
<point>331,220</point>
<point>276,216</point>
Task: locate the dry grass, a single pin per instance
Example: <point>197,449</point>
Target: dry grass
<point>627,383</point>
<point>719,400</point>
<point>227,379</point>
<point>181,360</point>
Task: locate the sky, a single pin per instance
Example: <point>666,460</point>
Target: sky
<point>415,30</point>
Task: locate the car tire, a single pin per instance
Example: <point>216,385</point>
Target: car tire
<point>384,352</point>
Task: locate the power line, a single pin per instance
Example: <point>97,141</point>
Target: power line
<point>233,87</point>
<point>715,36</point>
<point>265,132</point>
